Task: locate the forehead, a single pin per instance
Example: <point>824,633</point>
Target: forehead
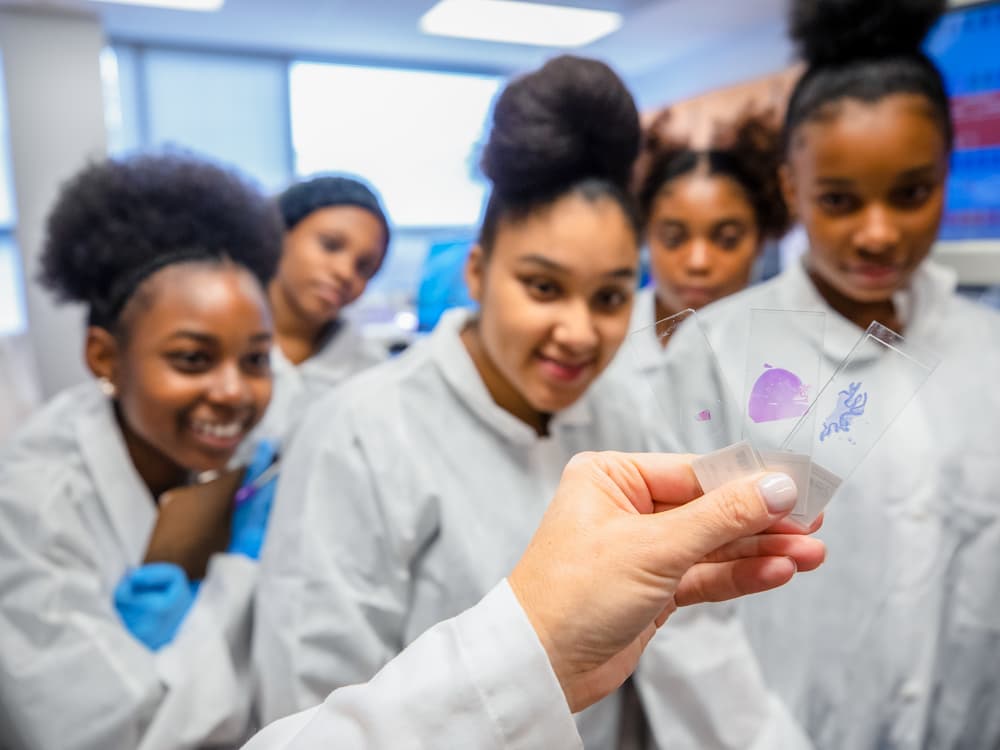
<point>871,139</point>
<point>581,235</point>
<point>224,300</point>
<point>343,219</point>
<point>701,195</point>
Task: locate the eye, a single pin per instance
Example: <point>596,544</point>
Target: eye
<point>611,299</point>
<point>365,268</point>
<point>672,236</point>
<point>838,203</point>
<point>332,244</point>
<point>190,361</point>
<point>730,238</point>
<point>541,288</point>
<point>912,196</point>
<point>257,363</point>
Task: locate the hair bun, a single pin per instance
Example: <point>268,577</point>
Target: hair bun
<point>570,120</point>
<point>834,31</point>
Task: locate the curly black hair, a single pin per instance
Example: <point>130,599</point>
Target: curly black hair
<point>117,222</point>
<point>748,151</point>
<point>571,125</point>
<point>865,50</point>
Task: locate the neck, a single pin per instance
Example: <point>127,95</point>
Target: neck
<point>158,472</point>
<point>504,394</point>
<point>860,314</point>
<point>663,312</point>
<point>297,336</point>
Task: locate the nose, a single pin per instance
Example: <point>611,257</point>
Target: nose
<point>575,328</point>
<point>697,260</point>
<point>878,232</point>
<point>229,387</point>
<point>341,266</point>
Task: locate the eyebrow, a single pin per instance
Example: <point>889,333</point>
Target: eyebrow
<point>921,171</point>
<point>551,265</point>
<point>205,338</point>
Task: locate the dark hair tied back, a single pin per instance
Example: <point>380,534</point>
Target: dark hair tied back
<point>117,222</point>
<point>748,151</point>
<point>865,50</point>
<point>571,122</point>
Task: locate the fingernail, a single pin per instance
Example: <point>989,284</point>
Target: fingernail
<point>779,492</point>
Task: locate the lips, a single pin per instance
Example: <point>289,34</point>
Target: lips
<point>330,295</point>
<point>876,274</point>
<point>219,435</point>
<point>564,371</point>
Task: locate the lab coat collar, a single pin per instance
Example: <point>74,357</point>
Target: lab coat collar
<point>334,361</point>
<point>923,305</point>
<point>459,371</point>
<point>126,499</point>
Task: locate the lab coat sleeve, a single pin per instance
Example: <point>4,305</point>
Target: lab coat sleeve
<point>700,687</point>
<point>335,569</point>
<point>73,677</point>
<point>480,680</point>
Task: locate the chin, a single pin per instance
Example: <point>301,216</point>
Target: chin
<point>553,403</point>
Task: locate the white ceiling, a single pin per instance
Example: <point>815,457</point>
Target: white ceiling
<point>657,35</point>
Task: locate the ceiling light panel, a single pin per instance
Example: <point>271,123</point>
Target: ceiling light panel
<point>198,5</point>
<point>516,22</point>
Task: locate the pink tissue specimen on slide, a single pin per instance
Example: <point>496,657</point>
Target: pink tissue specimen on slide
<point>777,394</point>
<point>703,416</point>
<point>850,404</point>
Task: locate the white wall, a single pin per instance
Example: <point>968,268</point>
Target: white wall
<point>55,111</point>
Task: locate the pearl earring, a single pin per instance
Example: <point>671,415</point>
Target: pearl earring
<point>107,387</point>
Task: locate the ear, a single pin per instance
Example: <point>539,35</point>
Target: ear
<point>103,354</point>
<point>475,270</point>
<point>788,188</point>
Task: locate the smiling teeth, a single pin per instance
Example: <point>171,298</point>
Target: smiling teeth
<point>223,431</point>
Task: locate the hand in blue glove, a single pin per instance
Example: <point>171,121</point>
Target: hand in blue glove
<point>152,601</point>
<point>253,504</point>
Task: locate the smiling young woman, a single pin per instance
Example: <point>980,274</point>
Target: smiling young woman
<point>102,649</point>
<point>412,493</point>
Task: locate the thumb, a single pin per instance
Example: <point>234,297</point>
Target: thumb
<point>158,576</point>
<point>737,509</point>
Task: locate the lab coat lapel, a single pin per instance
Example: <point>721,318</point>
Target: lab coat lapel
<point>127,501</point>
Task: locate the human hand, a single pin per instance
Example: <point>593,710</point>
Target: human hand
<point>153,600</point>
<point>627,539</point>
<point>252,505</point>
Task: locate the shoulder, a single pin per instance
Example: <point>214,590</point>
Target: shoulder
<point>42,463</point>
<point>369,406</point>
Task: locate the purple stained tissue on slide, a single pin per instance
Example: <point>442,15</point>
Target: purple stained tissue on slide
<point>777,394</point>
<point>851,403</point>
<point>703,416</point>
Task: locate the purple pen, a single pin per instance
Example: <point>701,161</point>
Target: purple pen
<point>245,492</point>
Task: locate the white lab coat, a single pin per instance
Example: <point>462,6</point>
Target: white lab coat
<point>404,498</point>
<point>480,680</point>
<point>74,517</point>
<point>296,387</point>
<point>895,641</point>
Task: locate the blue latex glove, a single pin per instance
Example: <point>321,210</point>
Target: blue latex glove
<point>253,504</point>
<point>152,601</point>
